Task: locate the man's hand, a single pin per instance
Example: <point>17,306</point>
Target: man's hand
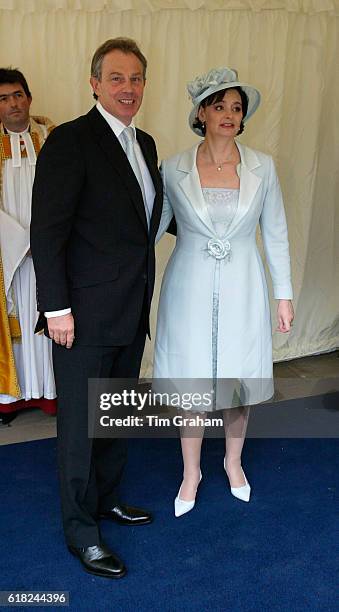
<point>285,316</point>
<point>61,329</point>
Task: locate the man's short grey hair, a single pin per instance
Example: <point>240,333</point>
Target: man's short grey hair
<point>126,45</point>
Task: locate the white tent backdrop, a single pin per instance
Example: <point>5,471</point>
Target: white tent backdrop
<point>289,50</point>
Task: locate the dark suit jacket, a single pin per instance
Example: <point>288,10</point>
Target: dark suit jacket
<point>89,239</point>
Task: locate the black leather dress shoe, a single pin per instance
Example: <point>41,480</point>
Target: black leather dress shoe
<point>99,560</point>
<point>127,515</point>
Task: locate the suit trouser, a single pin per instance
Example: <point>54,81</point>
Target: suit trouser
<point>89,469</point>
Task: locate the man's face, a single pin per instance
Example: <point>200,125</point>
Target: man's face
<point>121,87</point>
<point>14,107</point>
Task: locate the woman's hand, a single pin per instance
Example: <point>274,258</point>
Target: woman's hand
<point>285,316</point>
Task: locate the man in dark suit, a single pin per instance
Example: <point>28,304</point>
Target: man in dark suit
<point>97,202</point>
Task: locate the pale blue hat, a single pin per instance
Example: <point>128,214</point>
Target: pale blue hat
<point>216,80</point>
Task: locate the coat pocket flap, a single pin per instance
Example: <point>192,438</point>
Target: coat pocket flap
<point>91,277</point>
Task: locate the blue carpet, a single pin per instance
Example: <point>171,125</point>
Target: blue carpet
<point>279,552</point>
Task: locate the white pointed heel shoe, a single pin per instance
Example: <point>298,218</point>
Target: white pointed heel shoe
<point>243,493</point>
<point>181,506</point>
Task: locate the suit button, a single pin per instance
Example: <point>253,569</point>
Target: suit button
<point>144,277</point>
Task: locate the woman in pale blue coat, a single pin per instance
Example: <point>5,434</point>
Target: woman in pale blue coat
<point>214,317</point>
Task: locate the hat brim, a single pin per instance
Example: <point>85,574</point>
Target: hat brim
<point>252,93</point>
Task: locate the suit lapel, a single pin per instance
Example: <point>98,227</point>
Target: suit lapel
<point>151,162</point>
<point>249,184</point>
<point>115,154</point>
<point>191,187</point>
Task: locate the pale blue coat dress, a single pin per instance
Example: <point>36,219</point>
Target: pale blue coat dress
<point>214,317</point>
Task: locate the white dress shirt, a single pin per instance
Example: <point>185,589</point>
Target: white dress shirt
<point>118,127</point>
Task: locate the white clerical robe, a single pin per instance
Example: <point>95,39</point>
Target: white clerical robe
<point>33,354</point>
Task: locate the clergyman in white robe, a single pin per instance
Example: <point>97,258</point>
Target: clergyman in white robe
<point>32,353</point>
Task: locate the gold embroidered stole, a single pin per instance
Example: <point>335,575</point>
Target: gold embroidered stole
<point>8,378</point>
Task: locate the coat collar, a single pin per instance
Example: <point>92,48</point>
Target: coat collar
<point>190,184</point>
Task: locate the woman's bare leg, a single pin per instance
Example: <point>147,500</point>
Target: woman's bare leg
<point>191,440</point>
<point>235,422</point>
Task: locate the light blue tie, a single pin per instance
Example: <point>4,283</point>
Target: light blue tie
<point>128,138</point>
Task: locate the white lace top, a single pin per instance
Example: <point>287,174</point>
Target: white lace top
<point>221,205</point>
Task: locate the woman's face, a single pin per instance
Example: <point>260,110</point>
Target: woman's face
<point>224,117</point>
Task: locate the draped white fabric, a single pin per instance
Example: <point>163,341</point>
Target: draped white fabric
<point>146,6</point>
<point>289,50</point>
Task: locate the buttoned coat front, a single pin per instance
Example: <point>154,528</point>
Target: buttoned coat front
<point>201,262</point>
